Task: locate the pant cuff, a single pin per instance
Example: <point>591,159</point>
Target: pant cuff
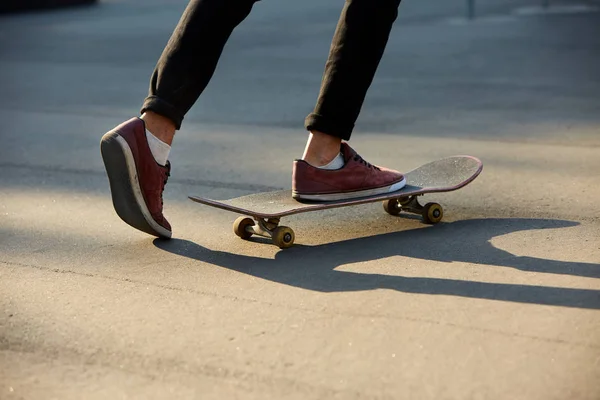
<point>316,122</point>
<point>159,106</point>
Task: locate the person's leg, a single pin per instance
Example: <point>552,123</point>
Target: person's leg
<point>357,47</point>
<point>135,153</point>
<point>188,62</point>
<point>356,50</point>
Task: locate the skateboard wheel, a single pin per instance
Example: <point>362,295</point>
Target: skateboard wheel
<point>283,237</point>
<point>432,213</point>
<point>239,227</point>
<point>392,206</point>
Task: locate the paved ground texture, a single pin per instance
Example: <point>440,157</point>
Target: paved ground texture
<point>501,301</point>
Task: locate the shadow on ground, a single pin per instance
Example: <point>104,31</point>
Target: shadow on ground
<point>314,267</point>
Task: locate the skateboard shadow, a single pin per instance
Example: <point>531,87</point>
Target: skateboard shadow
<point>314,267</point>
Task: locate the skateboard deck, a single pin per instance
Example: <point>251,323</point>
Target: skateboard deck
<point>267,208</point>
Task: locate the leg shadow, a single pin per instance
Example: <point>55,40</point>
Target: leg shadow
<point>314,267</point>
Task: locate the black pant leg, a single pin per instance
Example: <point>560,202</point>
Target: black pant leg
<point>358,44</point>
<point>191,55</point>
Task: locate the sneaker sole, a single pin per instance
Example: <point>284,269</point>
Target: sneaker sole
<point>350,195</point>
<point>127,197</point>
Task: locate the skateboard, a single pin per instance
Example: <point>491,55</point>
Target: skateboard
<point>266,209</point>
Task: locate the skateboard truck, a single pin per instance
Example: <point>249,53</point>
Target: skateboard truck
<point>432,213</point>
<point>282,236</point>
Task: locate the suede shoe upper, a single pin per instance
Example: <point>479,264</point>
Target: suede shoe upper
<point>151,175</point>
<point>355,175</point>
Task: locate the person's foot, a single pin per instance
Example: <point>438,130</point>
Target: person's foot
<point>136,180</point>
<point>357,178</point>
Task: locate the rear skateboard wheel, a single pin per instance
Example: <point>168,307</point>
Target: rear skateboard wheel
<point>392,206</point>
<point>283,237</point>
<point>240,225</point>
<point>432,213</point>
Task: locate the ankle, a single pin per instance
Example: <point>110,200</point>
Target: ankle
<point>161,127</point>
<point>321,148</point>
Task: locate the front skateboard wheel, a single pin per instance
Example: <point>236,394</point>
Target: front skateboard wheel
<point>392,206</point>
<point>283,237</point>
<point>432,213</point>
<point>239,227</point>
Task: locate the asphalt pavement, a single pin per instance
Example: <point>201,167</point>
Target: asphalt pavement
<point>500,301</point>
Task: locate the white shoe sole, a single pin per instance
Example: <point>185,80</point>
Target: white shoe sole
<point>350,195</point>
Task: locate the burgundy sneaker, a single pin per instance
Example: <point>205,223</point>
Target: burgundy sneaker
<point>136,180</point>
<point>357,178</point>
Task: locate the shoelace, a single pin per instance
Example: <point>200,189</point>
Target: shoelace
<point>362,161</point>
<point>167,175</point>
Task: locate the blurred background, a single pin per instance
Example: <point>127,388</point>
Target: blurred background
<point>488,67</point>
<point>32,5</point>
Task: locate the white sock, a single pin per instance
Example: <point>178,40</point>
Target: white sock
<point>160,150</point>
<point>336,163</point>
